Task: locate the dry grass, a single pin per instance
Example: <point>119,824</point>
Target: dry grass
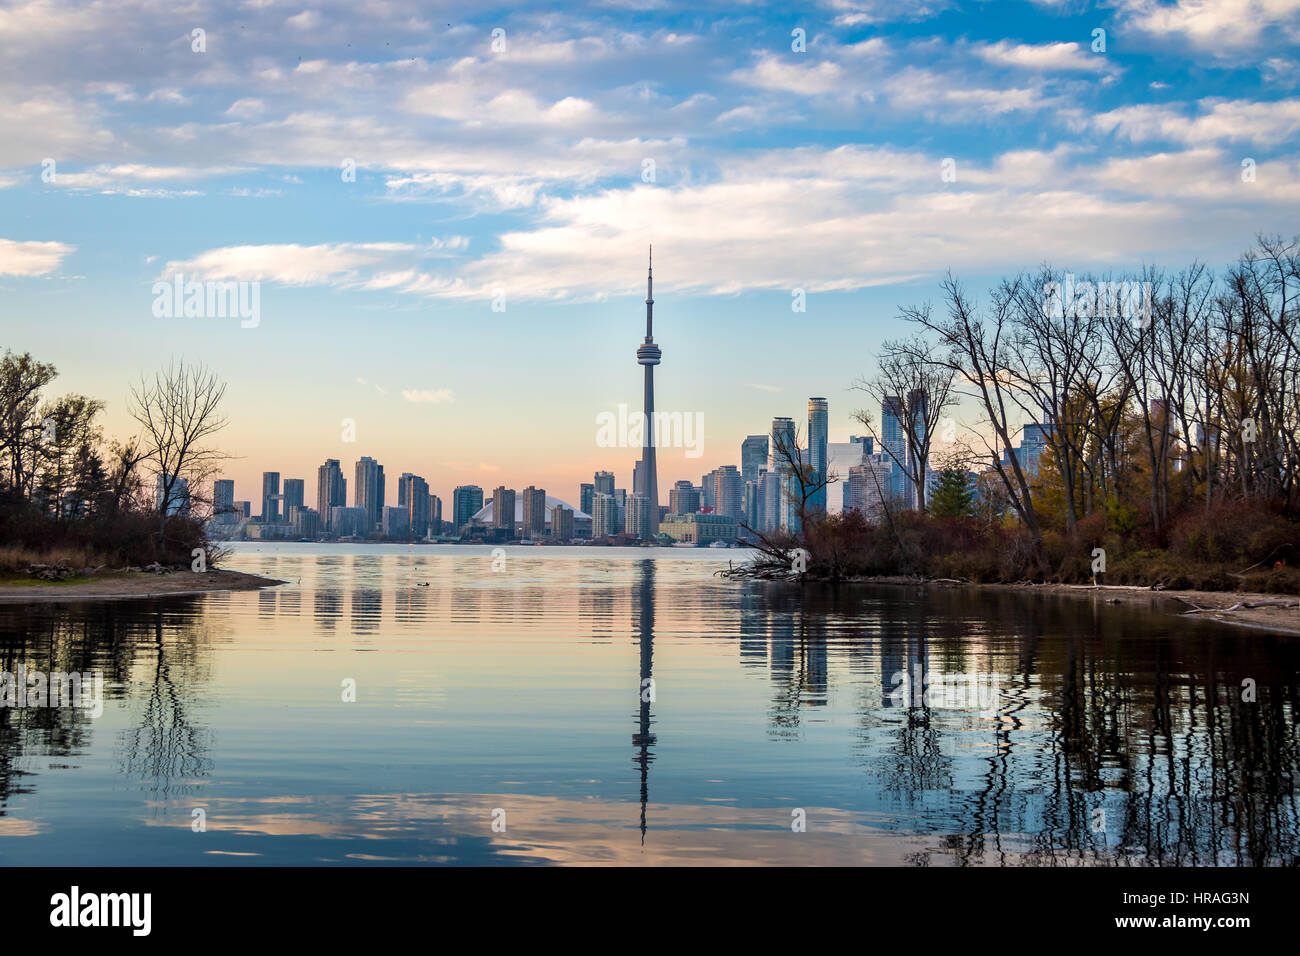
<point>16,560</point>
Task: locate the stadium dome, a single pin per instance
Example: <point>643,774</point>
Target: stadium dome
<point>484,514</point>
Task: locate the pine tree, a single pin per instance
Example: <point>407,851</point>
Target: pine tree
<point>954,494</point>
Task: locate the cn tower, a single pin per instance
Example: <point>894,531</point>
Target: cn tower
<point>648,354</point>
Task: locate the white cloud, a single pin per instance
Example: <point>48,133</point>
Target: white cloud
<point>424,395</point>
<point>1219,120</point>
<point>1216,26</point>
<point>288,263</point>
<point>31,258</point>
<point>1046,57</point>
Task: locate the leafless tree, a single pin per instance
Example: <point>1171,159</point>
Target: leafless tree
<point>179,412</point>
<point>920,389</point>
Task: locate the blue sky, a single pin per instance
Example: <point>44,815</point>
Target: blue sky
<point>523,170</point>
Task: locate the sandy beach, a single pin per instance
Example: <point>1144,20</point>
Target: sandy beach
<point>121,585</point>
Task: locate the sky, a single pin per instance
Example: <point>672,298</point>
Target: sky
<point>446,207</point>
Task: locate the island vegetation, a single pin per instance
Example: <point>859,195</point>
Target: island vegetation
<point>1170,438</point>
<point>75,502</point>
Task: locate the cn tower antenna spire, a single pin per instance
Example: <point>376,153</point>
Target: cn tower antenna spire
<point>650,297</point>
<point>649,355</point>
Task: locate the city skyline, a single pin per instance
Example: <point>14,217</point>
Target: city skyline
<point>419,270</point>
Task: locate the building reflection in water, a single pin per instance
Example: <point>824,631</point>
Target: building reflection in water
<point>1128,711</point>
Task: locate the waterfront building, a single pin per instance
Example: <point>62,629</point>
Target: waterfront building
<point>818,433</point>
<point>533,516</point>
<point>179,502</point>
<point>585,492</point>
<point>562,523</point>
<point>466,502</point>
<point>331,490</point>
<point>683,499</point>
<point>294,495</point>
<point>396,523</point>
<point>638,523</point>
<point>435,515</point>
<point>503,509</point>
<point>709,496</point>
<point>729,492</point>
<point>349,522</point>
<point>603,482</point>
<point>753,456</point>
<point>413,495</point>
<point>604,516</point>
<point>223,497</point>
<point>270,497</point>
<point>369,490</point>
<point>700,529</point>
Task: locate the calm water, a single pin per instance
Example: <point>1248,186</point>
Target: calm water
<point>515,697</point>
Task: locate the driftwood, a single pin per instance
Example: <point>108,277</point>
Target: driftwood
<point>1240,605</point>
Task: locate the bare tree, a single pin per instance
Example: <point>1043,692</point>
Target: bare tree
<point>918,387</point>
<point>179,412</point>
<point>978,342</point>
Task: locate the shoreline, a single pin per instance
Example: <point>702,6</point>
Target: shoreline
<point>1279,613</point>
<point>121,586</point>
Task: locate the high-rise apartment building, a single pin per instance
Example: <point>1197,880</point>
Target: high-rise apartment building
<point>503,508</point>
<point>603,482</point>
<point>413,495</point>
<point>753,456</point>
<point>270,497</point>
<point>466,502</point>
<point>534,512</point>
<point>585,492</point>
<point>223,497</point>
<point>369,490</point>
<point>638,517</point>
<point>435,515</point>
<point>683,499</point>
<point>294,494</point>
<point>818,435</point>
<point>561,523</point>
<point>331,491</point>
<point>729,492</point>
<point>604,516</point>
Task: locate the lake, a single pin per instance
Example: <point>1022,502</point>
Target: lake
<point>439,705</point>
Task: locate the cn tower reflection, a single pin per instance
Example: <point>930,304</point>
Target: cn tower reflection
<point>643,740</point>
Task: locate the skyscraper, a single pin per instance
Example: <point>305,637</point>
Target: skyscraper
<point>918,411</point>
<point>413,495</point>
<point>894,445</point>
<point>683,499</point>
<point>466,501</point>
<point>369,491</point>
<point>223,496</point>
<point>709,491</point>
<point>637,522</point>
<point>435,514</point>
<point>294,492</point>
<point>818,430</point>
<point>604,516</point>
<point>270,496</point>
<point>331,490</point>
<point>753,456</point>
<point>604,482</point>
<point>534,512</point>
<point>503,508</point>
<point>648,355</point>
<point>561,523</point>
<point>585,493</point>
<point>729,492</point>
